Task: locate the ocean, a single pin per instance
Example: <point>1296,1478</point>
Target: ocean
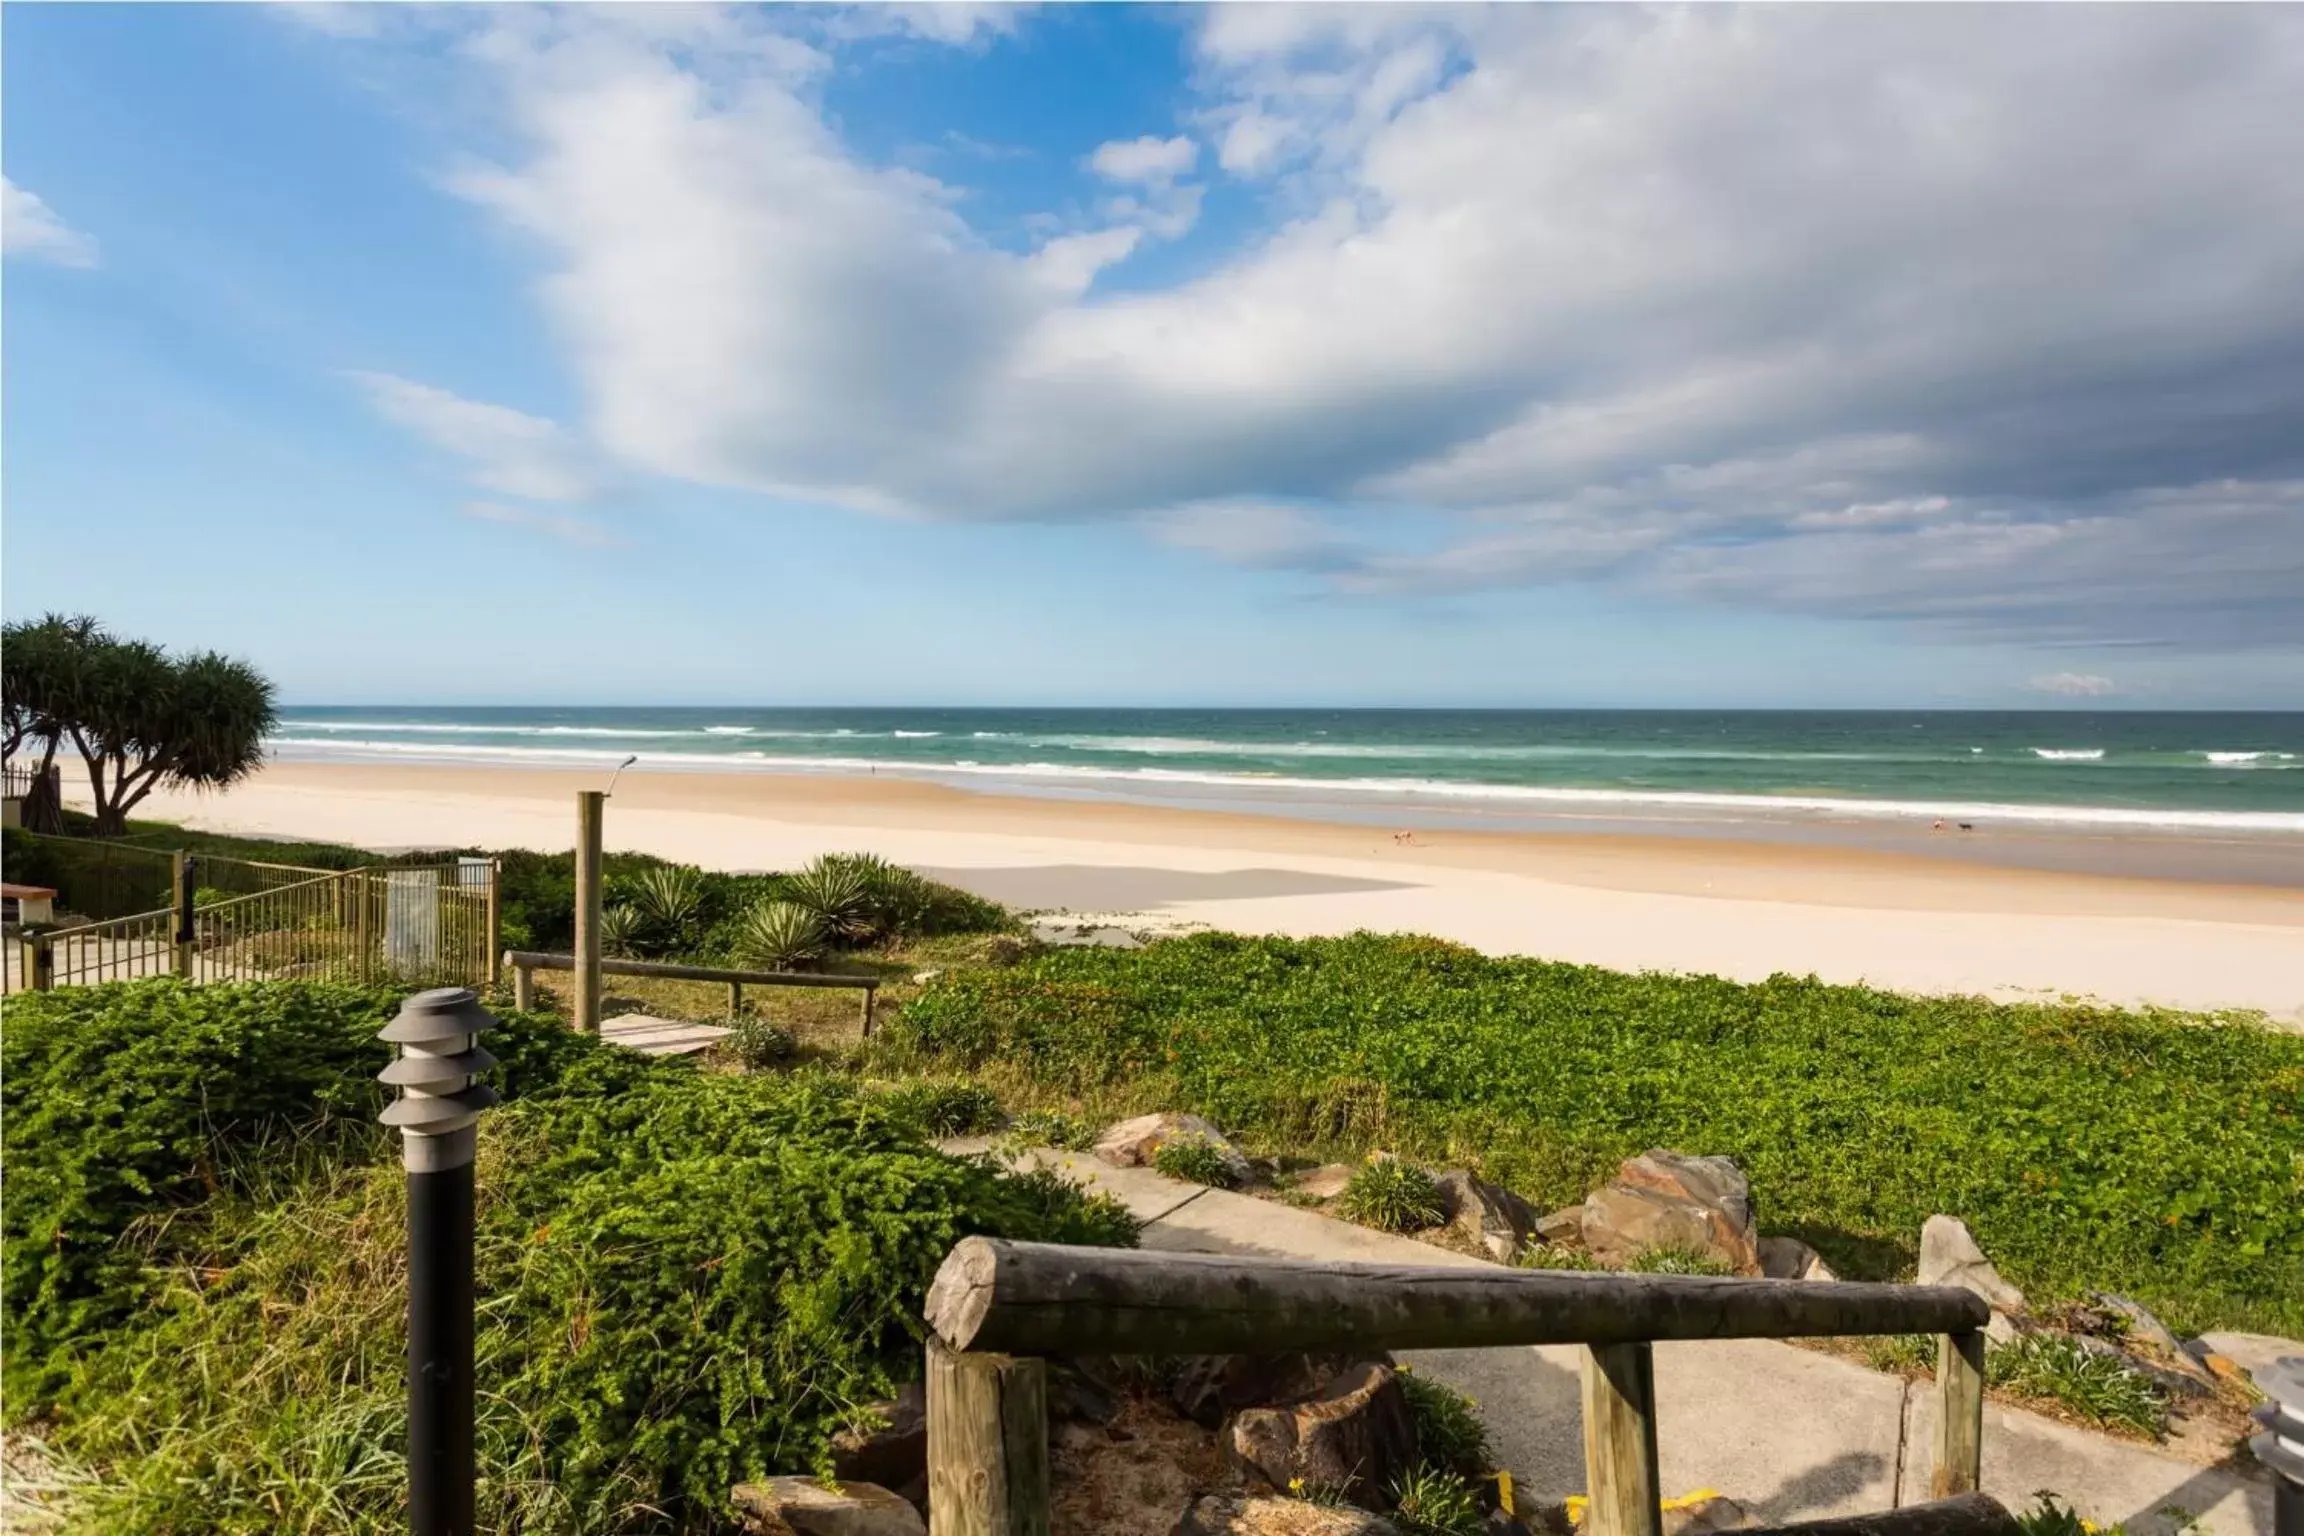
<point>2199,772</point>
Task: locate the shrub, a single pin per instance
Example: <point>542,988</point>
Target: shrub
<point>778,935</point>
<point>2096,1386</point>
<point>689,1280</point>
<point>122,1102</point>
<point>2088,1147</point>
<point>1448,1435</point>
<point>1539,1254</point>
<point>1394,1195</point>
<point>1432,1501</point>
<point>1195,1160</point>
<point>944,1108</point>
<point>760,1043</point>
<point>1900,1352</point>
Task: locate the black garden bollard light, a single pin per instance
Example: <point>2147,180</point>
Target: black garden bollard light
<point>2281,1446</point>
<point>439,1104</point>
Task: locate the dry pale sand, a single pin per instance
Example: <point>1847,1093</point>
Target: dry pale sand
<point>1735,909</point>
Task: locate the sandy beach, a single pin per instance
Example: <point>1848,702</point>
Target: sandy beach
<point>1739,909</point>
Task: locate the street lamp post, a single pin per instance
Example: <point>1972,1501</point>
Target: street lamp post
<point>440,1101</point>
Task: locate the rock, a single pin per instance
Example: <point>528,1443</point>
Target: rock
<point>1325,1182</point>
<point>1665,1199</point>
<point>1208,1389</point>
<point>1703,1512</point>
<point>1562,1229</point>
<point>1788,1258</point>
<point>923,978</point>
<point>2151,1344</point>
<point>1356,1436</point>
<point>1134,1143</point>
<point>1489,1216</point>
<point>2249,1352</point>
<point>1949,1256</point>
<point>1078,1393</point>
<point>1218,1514</point>
<point>892,1450</point>
<point>2195,1382</point>
<point>802,1506</point>
<point>1005,949</point>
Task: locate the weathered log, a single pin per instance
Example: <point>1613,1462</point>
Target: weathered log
<point>1047,1299</point>
<point>1620,1441</point>
<point>532,960</point>
<point>1959,1415</point>
<point>987,1444</point>
<point>1971,1514</point>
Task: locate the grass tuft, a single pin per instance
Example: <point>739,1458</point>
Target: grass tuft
<point>1393,1195</point>
<point>1195,1161</point>
<point>2092,1385</point>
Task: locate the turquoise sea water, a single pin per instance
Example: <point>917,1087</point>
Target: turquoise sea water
<point>2234,773</point>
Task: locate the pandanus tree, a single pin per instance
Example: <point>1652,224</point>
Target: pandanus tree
<point>138,717</point>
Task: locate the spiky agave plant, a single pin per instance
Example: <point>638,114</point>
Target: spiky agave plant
<point>620,929</point>
<point>670,898</point>
<point>838,893</point>
<point>774,935</point>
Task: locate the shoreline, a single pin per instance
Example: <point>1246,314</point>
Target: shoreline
<point>1633,901</point>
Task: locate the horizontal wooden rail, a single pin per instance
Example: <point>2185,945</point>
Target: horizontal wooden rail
<point>1049,1299</point>
<point>530,960</point>
<point>524,963</point>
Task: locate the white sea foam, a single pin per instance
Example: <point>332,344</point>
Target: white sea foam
<point>1395,789</point>
<point>2075,755</point>
<point>913,735</point>
<point>2247,759</point>
<point>727,730</point>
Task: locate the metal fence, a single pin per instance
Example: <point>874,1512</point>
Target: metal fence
<point>426,925</point>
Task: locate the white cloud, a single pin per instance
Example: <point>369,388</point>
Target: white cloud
<point>29,227</point>
<point>2073,685</point>
<point>580,531</point>
<point>1978,318</point>
<point>510,451</point>
<point>1148,161</point>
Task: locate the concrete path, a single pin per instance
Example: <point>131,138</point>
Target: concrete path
<point>1789,1433</point>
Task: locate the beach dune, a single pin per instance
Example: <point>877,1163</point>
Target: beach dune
<point>1712,905</point>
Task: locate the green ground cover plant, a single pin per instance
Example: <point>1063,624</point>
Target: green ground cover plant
<point>2158,1155</point>
<point>1195,1161</point>
<point>1392,1195</point>
<point>2095,1386</point>
<point>689,1278</point>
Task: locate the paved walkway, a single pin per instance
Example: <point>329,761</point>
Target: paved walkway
<point>1789,1433</point>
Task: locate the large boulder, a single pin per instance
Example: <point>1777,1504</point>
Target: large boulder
<point>1223,1514</point>
<point>1208,1389</point>
<point>1788,1258</point>
<point>1487,1217</point>
<point>2149,1343</point>
<point>1949,1255</point>
<point>802,1506</point>
<point>1356,1436</point>
<point>1666,1199</point>
<point>1134,1143</point>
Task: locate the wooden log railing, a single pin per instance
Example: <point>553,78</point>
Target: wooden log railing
<point>998,1308</point>
<point>525,963</point>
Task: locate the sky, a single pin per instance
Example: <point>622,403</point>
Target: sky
<point>1360,354</point>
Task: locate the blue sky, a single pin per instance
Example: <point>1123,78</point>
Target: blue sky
<point>1112,355</point>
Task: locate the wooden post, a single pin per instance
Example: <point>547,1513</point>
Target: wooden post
<point>523,988</point>
<point>39,962</point>
<point>180,884</point>
<point>1959,1462</point>
<point>1620,1441</point>
<point>590,804</point>
<point>735,1001</point>
<point>987,1444</point>
<point>867,1013</point>
<point>495,923</point>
